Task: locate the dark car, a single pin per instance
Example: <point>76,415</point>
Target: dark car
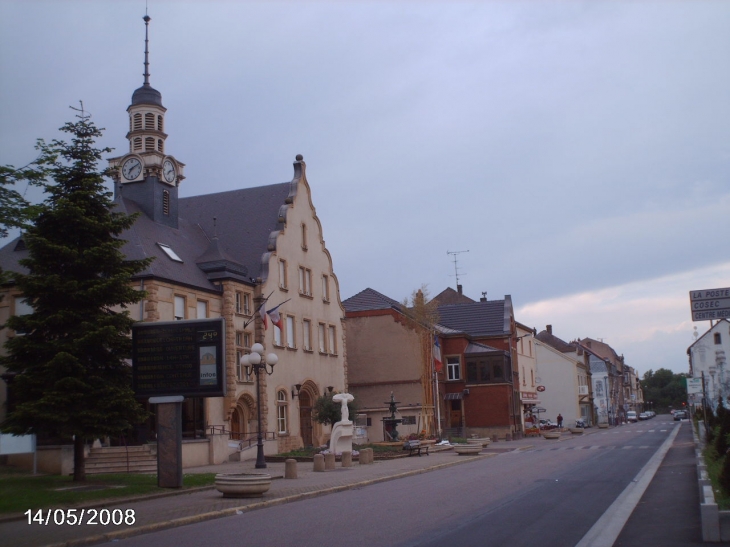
<point>679,415</point>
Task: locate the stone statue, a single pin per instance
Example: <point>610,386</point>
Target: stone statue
<point>344,398</point>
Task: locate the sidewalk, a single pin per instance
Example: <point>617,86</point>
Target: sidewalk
<point>178,508</point>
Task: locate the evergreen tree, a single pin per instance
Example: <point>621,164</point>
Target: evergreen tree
<point>68,356</point>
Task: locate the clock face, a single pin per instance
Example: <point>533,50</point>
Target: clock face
<point>168,171</point>
<point>131,168</point>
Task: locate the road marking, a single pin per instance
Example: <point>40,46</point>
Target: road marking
<point>625,447</point>
<point>607,528</point>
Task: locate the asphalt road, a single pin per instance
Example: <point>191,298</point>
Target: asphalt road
<point>551,496</point>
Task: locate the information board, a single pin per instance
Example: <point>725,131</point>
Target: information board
<point>179,358</point>
<point>709,304</point>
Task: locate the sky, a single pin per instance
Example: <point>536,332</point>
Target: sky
<point>579,151</point>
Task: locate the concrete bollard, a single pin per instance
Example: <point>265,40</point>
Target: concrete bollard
<point>329,461</point>
<point>366,456</point>
<point>347,459</point>
<point>290,469</point>
<point>319,462</point>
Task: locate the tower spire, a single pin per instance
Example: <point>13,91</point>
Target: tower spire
<point>146,50</point>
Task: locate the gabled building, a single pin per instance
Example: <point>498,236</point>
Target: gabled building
<point>564,379</point>
<point>609,381</point>
<point>223,255</point>
<point>390,351</point>
<point>480,382</point>
<point>708,357</point>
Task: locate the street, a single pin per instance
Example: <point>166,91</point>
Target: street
<point>548,495</point>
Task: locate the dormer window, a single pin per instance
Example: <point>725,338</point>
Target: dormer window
<point>172,255</point>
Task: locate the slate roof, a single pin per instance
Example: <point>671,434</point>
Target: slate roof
<point>553,341</point>
<point>370,300</point>
<point>490,318</point>
<point>474,348</point>
<point>245,220</point>
<point>450,296</point>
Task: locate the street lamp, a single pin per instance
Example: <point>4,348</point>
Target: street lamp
<point>713,371</point>
<point>255,360</point>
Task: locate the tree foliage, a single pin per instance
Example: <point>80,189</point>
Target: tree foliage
<point>665,389</point>
<point>327,412</point>
<point>69,355</point>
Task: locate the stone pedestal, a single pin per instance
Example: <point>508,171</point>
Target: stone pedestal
<point>329,460</point>
<point>347,459</point>
<point>319,462</point>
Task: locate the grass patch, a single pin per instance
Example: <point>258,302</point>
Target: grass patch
<point>23,491</point>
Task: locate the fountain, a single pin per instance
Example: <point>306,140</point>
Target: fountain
<point>392,422</point>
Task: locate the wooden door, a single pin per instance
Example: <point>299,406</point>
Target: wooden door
<point>236,425</point>
<point>455,414</point>
<point>305,418</point>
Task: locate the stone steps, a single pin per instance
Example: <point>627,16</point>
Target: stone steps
<point>120,459</point>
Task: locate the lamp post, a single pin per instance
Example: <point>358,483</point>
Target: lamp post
<point>255,360</point>
<point>713,371</point>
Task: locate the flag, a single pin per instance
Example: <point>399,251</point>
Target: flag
<point>437,354</point>
<point>275,317</point>
<point>264,317</point>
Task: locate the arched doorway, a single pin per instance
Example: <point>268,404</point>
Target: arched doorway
<point>305,417</point>
<point>238,424</point>
<point>241,418</point>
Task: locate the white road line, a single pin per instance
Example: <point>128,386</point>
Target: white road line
<point>607,528</point>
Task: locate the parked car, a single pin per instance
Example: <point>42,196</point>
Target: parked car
<point>643,416</point>
<point>679,415</point>
<point>631,416</point>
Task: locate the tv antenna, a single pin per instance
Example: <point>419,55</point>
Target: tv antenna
<point>456,266</point>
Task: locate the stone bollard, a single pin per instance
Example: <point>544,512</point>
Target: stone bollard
<point>508,437</point>
<point>347,459</point>
<point>319,462</point>
<point>329,461</point>
<point>290,469</point>
<point>366,456</point>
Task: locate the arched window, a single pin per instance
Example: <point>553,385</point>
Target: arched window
<point>149,120</point>
<point>166,202</point>
<point>149,143</point>
<point>137,143</point>
<point>160,145</point>
<point>138,122</point>
<point>159,123</point>
<point>281,411</point>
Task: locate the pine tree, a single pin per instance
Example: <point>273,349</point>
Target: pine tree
<point>69,356</point>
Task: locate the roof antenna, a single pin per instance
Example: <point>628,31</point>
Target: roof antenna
<point>146,48</point>
<point>456,267</point>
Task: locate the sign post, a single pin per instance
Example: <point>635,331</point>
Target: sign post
<point>710,304</point>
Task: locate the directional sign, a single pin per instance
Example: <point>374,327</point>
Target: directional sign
<point>694,385</point>
<point>709,304</point>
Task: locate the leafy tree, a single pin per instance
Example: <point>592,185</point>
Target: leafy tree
<point>327,412</point>
<point>68,355</point>
<point>664,388</point>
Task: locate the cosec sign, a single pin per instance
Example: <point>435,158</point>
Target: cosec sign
<point>710,304</point>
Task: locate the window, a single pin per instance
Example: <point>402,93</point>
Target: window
<point>166,202</point>
<point>277,336</point>
<point>138,121</point>
<point>326,288</point>
<point>524,377</point>
<point>304,236</point>
<point>488,369</point>
<point>247,304</point>
<point>282,274</point>
<point>239,338</point>
<point>149,120</point>
<point>137,143</point>
<point>172,255</point>
<point>322,338</point>
<point>247,339</point>
<point>307,335</point>
<point>241,341</point>
<point>202,309</point>
<point>160,145</point>
<point>290,339</point>
<point>718,338</point>
<point>409,420</point>
<point>179,308</point>
<point>305,281</point>
<point>160,123</point>
<point>281,411</point>
<point>453,368</point>
<point>22,308</point>
<point>239,302</point>
<point>149,143</point>
<point>332,339</point>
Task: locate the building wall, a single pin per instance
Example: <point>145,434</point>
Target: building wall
<point>558,373</point>
<point>706,353</point>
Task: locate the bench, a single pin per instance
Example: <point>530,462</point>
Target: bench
<point>414,446</point>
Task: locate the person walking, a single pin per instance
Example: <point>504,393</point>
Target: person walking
<point>560,421</point>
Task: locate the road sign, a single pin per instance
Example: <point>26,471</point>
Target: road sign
<point>710,304</point>
<point>694,385</point>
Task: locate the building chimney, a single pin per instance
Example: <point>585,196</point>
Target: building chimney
<point>484,297</point>
<point>588,343</point>
<point>458,289</point>
<point>549,329</point>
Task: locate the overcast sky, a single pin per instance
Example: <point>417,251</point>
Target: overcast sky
<point>580,151</point>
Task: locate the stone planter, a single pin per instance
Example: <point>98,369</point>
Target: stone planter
<point>576,430</point>
<point>465,449</point>
<point>551,434</point>
<point>603,425</point>
<point>242,485</point>
<point>484,441</point>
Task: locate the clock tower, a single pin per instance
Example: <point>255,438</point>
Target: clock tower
<point>146,174</point>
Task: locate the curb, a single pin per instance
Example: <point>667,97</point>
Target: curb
<point>121,534</point>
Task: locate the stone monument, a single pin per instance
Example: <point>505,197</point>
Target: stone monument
<point>341,439</point>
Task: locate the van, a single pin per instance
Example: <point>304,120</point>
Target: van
<point>631,416</point>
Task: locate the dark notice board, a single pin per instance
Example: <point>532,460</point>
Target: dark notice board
<point>179,358</point>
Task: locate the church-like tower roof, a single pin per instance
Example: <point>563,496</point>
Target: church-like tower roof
<point>146,94</point>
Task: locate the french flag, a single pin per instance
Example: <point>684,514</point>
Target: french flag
<point>437,354</point>
<point>275,317</point>
<point>264,317</point>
